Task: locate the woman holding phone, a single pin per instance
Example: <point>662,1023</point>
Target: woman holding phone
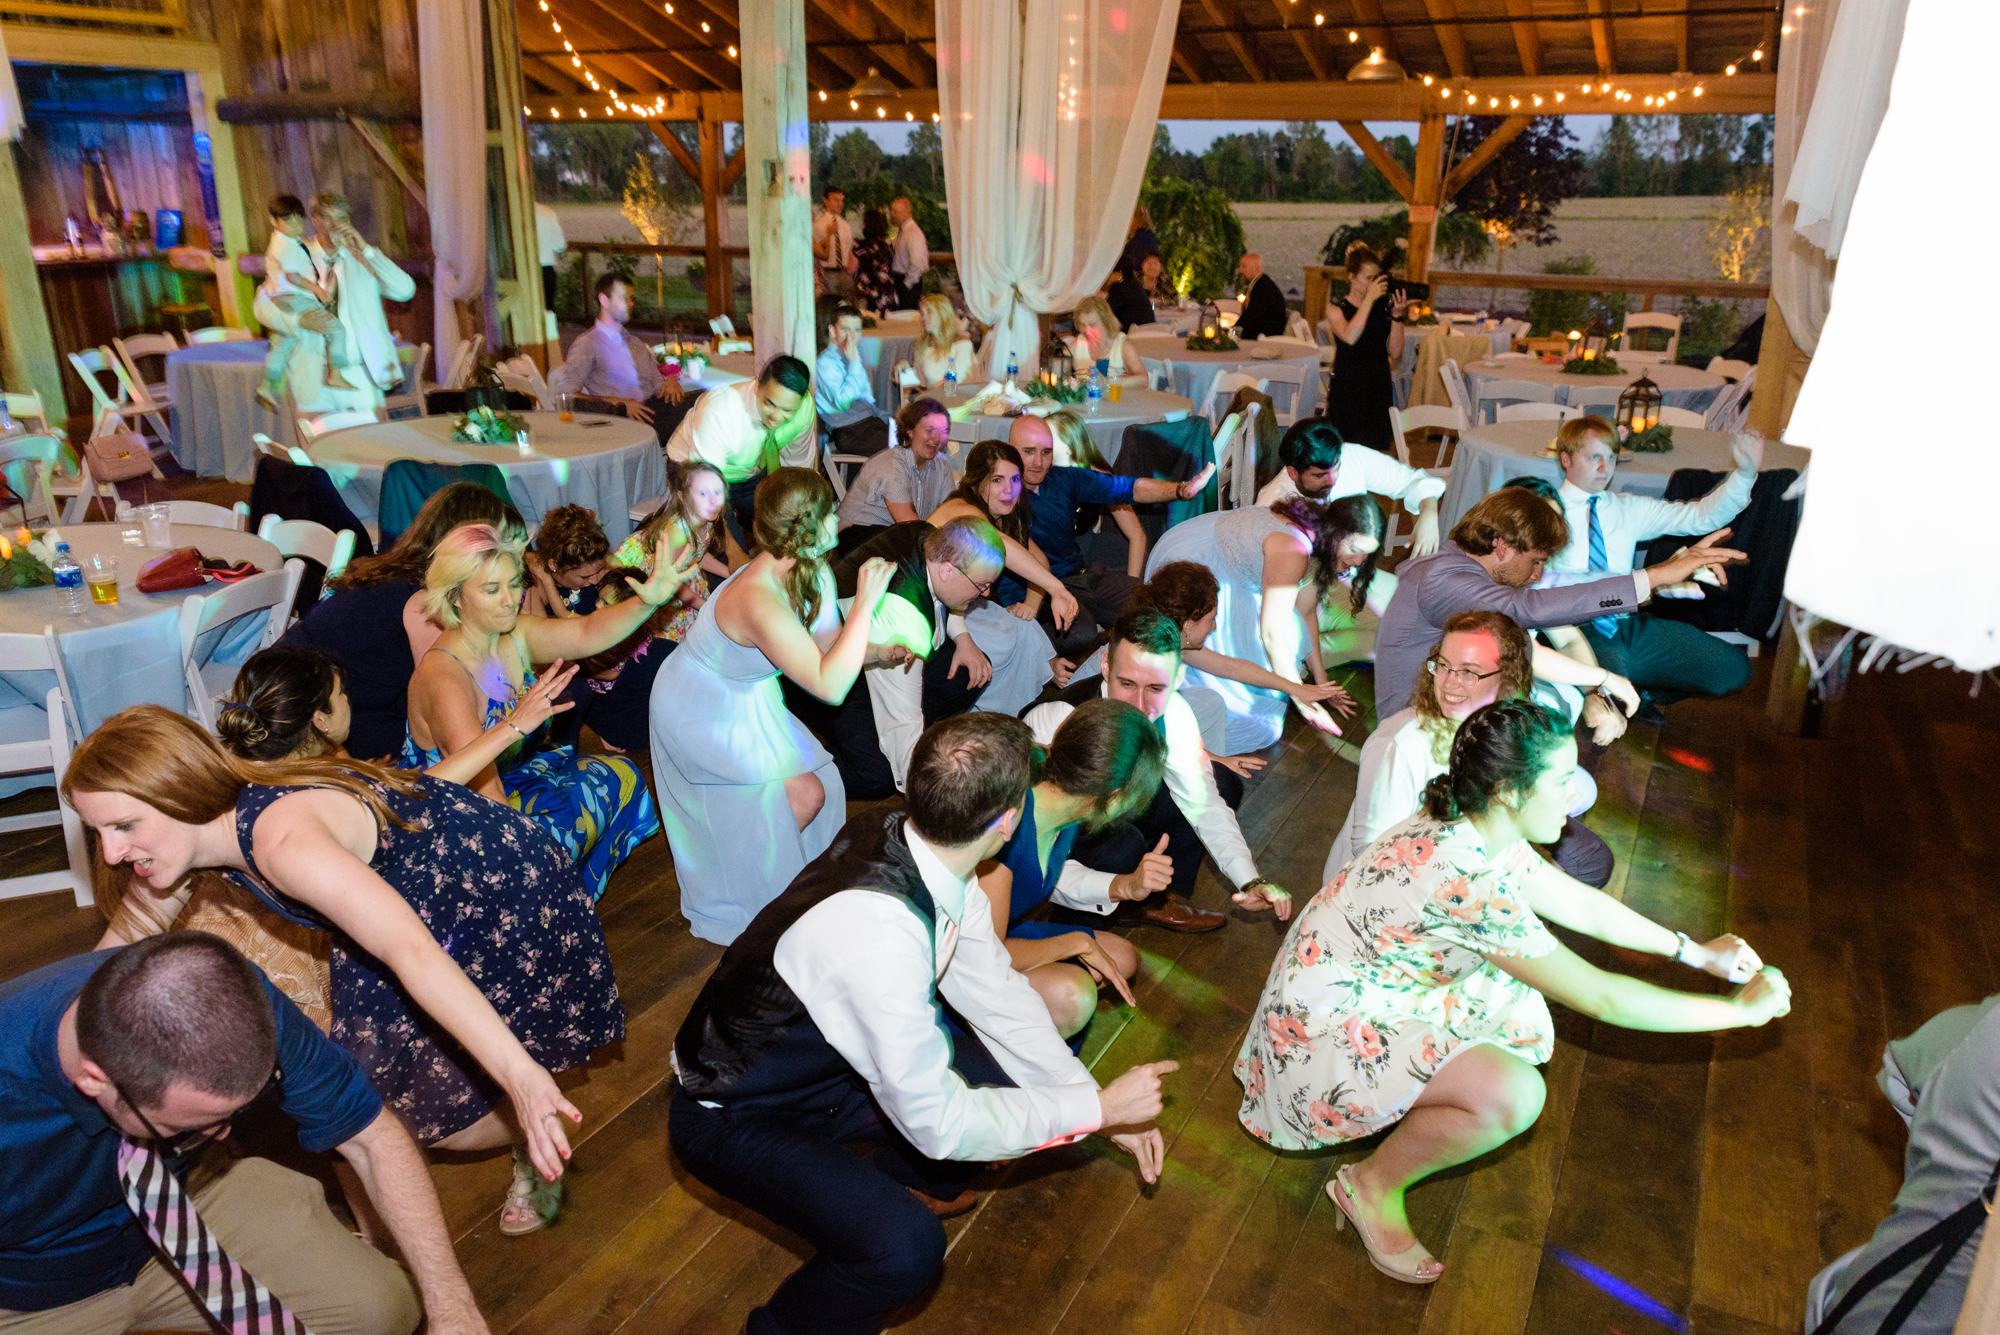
<point>1367,330</point>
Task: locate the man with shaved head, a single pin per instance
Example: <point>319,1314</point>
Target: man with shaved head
<point>1264,309</point>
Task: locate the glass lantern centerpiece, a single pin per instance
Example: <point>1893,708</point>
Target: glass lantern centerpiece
<point>1211,319</point>
<point>1596,340</point>
<point>1210,333</point>
<point>1638,419</point>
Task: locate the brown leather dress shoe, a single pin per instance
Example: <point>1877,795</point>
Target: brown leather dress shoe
<point>950,1209</point>
<point>1177,915</point>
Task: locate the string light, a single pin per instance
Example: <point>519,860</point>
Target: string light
<point>1758,54</point>
<point>1427,81</point>
<point>732,53</point>
<point>704,25</point>
<point>881,114</point>
<point>1353,36</point>
<point>909,115</point>
<point>1319,20</point>
<point>822,94</point>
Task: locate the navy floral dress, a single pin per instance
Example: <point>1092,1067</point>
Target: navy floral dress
<point>506,903</point>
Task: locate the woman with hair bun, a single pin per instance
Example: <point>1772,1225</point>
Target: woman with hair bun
<point>1410,992</point>
<point>750,795</point>
<point>1367,327</point>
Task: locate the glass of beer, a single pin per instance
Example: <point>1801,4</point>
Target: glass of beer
<point>565,407</point>
<point>1115,390</point>
<point>100,573</point>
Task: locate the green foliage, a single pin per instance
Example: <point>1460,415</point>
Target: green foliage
<point>1559,312</point>
<point>1201,238</point>
<point>1515,196</point>
<point>585,163</point>
<point>853,158</point>
<point>1460,239</point>
<point>1602,364</point>
<point>1707,327</point>
<point>1297,162</point>
<point>1676,155</point>
<point>23,570</point>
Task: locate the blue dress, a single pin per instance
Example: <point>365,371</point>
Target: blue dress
<point>597,807</point>
<point>1034,883</point>
<point>506,905</point>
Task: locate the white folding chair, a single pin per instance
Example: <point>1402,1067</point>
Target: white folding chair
<point>1535,412</point>
<point>1221,444</point>
<point>1455,391</point>
<point>1427,417</point>
<point>27,466</point>
<point>411,393</point>
<point>303,537</point>
<point>463,360</point>
<point>219,333</point>
<point>25,407</point>
<point>1672,416</point>
<point>1165,380</point>
<point>1651,320</point>
<point>124,410</point>
<point>520,375</point>
<point>32,740</point>
<point>1595,399</point>
<point>130,350</point>
<point>83,489</point>
<point>1731,410</point>
<point>1493,393</point>
<point>1726,367</point>
<point>222,629</point>
<point>641,511</point>
<point>1224,389</point>
<point>236,516</point>
<point>1294,376</point>
<point>311,428</point>
<point>290,454</point>
<point>1641,357</point>
<point>1296,327</point>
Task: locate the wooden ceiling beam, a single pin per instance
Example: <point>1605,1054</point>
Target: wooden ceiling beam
<point>1192,59</point>
<point>1368,20</point>
<point>1307,37</point>
<point>1457,178</point>
<point>678,150</point>
<point>1769,45</point>
<point>904,61</point>
<point>1242,43</point>
<point>1371,148</point>
<point>618,25</point>
<point>1450,37</point>
<point>1603,42</point>
<point>1527,35</point>
<point>1681,43</point>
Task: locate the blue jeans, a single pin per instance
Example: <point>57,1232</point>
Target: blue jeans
<point>877,1247</point>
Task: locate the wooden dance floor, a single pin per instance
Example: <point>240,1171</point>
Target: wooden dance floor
<point>1673,1183</point>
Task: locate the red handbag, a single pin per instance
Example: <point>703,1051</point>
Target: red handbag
<point>187,568</point>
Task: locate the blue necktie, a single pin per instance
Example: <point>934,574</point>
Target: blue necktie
<point>1604,626</point>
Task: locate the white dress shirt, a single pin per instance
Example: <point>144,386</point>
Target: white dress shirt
<point>1190,782</point>
<point>723,427</point>
<point>1629,520</point>
<point>833,237</point>
<point>912,253</point>
<point>896,694</point>
<point>1363,470</point>
<point>549,239</point>
<point>866,969</point>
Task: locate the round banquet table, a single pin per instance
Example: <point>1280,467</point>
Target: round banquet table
<point>1195,372</point>
<point>1107,425</point>
<point>604,464</point>
<point>1488,457</point>
<point>214,386</point>
<point>1680,386</point>
<point>731,368</point>
<point>879,353</point>
<point>1415,334</point>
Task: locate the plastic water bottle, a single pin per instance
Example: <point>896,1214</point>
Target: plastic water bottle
<point>1093,393</point>
<point>950,378</point>
<point>69,581</point>
<point>1013,367</point>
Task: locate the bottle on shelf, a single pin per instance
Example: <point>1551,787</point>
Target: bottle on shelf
<point>69,580</point>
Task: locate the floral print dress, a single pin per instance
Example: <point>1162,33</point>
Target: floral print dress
<point>1384,978</point>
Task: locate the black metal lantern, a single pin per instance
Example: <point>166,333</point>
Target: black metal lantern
<point>1596,340</point>
<point>1211,319</point>
<point>1638,408</point>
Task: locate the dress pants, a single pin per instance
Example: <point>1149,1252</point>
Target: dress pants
<point>853,729</point>
<point>1119,846</point>
<point>876,1246</point>
<point>1583,855</point>
<point>275,1224</point>
<point>1101,594</point>
<point>740,514</point>
<point>1671,660</point>
<point>548,287</point>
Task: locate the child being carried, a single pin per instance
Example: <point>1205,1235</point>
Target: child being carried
<point>295,286</point>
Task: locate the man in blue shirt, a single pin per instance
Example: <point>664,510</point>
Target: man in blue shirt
<point>161,1044</point>
<point>1059,491</point>
<point>843,395</point>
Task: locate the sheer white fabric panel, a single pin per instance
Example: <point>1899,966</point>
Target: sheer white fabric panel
<point>453,52</point>
<point>1047,111</point>
<point>12,121</point>
<point>1877,456</point>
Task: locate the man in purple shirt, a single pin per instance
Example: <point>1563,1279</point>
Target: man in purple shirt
<point>609,365</point>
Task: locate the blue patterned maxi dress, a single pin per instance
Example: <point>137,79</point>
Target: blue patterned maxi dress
<point>506,905</point>
<point>597,807</point>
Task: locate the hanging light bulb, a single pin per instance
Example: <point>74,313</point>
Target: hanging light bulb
<point>732,53</point>
<point>822,94</point>
<point>1559,97</point>
<point>1353,36</point>
<point>1758,54</point>
<point>872,88</point>
<point>1729,69</point>
<point>1377,68</point>
<point>881,114</point>
<point>1697,90</point>
<point>1319,20</point>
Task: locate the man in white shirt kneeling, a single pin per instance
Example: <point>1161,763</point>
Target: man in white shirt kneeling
<point>820,1027</point>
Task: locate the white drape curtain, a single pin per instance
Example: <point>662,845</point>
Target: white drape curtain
<point>1869,408</point>
<point>1047,111</point>
<point>12,122</point>
<point>453,52</point>
<point>1833,89</point>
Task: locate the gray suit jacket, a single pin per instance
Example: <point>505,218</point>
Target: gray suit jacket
<point>1432,589</point>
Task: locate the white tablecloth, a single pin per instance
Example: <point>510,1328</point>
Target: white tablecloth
<point>879,353</point>
<point>1107,425</point>
<point>1680,386</point>
<point>1414,335</point>
<point>1489,457</point>
<point>215,409</point>
<point>603,463</point>
<point>1195,372</point>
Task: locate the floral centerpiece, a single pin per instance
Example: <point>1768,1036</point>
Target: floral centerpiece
<point>1655,439</point>
<point>1061,391</point>
<point>1592,365</point>
<point>24,562</point>
<point>1217,341</point>
<point>484,426</point>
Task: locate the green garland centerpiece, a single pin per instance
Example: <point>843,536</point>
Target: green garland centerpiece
<point>1656,439</point>
<point>1592,366</point>
<point>483,426</point>
<point>1220,341</point>
<point>24,563</point>
<point>1062,391</point>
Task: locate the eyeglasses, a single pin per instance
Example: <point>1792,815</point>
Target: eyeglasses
<point>1463,676</point>
<point>983,589</point>
<point>185,1142</point>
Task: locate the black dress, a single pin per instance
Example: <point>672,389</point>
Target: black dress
<point>1362,394</point>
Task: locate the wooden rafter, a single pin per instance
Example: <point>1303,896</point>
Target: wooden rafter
<point>1371,148</point>
<point>1373,27</point>
<point>1306,36</point>
<point>1241,42</point>
<point>1602,40</point>
<point>1769,44</point>
<point>679,151</point>
<point>1681,43</point>
<point>1192,59</point>
<point>1527,35</point>
<point>1456,179</point>
<point>606,17</point>
<point>1451,37</point>
<point>586,26</point>
<point>859,22</point>
<point>555,78</point>
<point>649,19</point>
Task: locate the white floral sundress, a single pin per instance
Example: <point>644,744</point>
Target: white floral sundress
<point>1383,979</point>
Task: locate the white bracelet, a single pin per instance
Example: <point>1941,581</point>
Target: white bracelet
<point>1682,943</point>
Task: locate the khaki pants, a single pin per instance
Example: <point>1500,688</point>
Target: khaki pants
<point>275,1224</point>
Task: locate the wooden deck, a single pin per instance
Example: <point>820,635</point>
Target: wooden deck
<point>1673,1183</point>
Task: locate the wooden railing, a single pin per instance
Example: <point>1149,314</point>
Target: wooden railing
<point>1321,278</point>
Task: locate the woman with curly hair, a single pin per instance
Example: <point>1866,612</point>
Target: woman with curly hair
<point>565,563</point>
<point>1410,992</point>
<point>750,795</point>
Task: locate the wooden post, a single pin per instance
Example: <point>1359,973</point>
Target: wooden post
<point>519,293</point>
<point>1426,183</point>
<point>721,287</point>
<point>779,177</point>
<point>27,348</point>
<point>1781,369</point>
